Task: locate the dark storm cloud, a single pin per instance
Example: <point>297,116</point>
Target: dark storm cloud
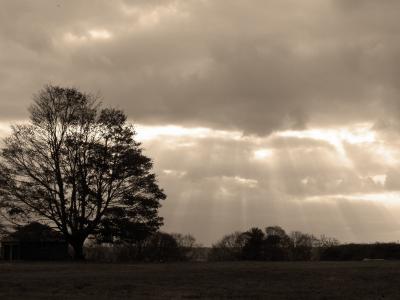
<point>255,66</point>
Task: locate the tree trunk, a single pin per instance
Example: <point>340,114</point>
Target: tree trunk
<point>78,250</point>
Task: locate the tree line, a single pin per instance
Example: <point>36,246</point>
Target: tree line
<point>273,244</point>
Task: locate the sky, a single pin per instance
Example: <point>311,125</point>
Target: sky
<point>255,112</point>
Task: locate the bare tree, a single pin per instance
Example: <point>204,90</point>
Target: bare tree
<point>187,244</point>
<point>302,245</point>
<point>326,241</point>
<point>230,247</point>
<point>184,240</point>
<point>73,165</point>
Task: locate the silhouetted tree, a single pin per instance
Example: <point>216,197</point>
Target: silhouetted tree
<point>275,231</point>
<point>184,240</point>
<point>325,241</point>
<point>75,164</point>
<point>276,244</point>
<point>302,245</point>
<point>186,244</point>
<point>161,247</point>
<point>120,225</point>
<point>254,246</point>
<point>230,247</point>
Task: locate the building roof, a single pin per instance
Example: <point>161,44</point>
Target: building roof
<point>34,232</point>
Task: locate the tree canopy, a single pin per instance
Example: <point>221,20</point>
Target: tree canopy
<point>272,245</point>
<point>77,166</point>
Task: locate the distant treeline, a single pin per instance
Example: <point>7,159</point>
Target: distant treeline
<point>274,244</point>
<point>158,247</point>
<point>361,251</point>
<point>271,244</point>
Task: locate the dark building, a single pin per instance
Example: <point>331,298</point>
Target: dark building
<point>34,242</point>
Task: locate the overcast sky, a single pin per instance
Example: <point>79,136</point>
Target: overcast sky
<point>256,112</point>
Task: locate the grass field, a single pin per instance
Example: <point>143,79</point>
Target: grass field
<point>258,280</point>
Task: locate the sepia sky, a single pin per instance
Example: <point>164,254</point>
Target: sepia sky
<point>256,112</point>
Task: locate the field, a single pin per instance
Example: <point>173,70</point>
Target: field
<point>258,280</point>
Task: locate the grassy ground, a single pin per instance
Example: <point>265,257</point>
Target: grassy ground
<point>258,280</point>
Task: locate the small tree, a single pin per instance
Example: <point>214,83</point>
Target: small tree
<point>326,241</point>
<point>254,246</point>
<point>75,165</point>
<point>324,245</point>
<point>161,247</point>
<point>230,247</point>
<point>186,244</point>
<point>276,244</point>
<point>184,240</point>
<point>302,245</point>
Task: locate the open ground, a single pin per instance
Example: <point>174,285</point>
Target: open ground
<point>249,280</point>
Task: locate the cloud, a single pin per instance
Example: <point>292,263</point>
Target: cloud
<point>257,67</point>
<point>308,182</point>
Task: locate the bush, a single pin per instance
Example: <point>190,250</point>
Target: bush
<point>159,247</point>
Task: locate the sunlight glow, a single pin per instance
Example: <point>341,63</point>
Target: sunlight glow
<point>251,183</point>
<point>153,132</point>
<point>360,133</point>
<point>389,199</point>
<point>262,154</point>
<point>337,137</point>
<point>145,132</point>
<point>386,154</point>
<point>5,129</point>
<point>92,34</point>
<point>99,34</point>
<point>379,179</point>
<point>175,173</point>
